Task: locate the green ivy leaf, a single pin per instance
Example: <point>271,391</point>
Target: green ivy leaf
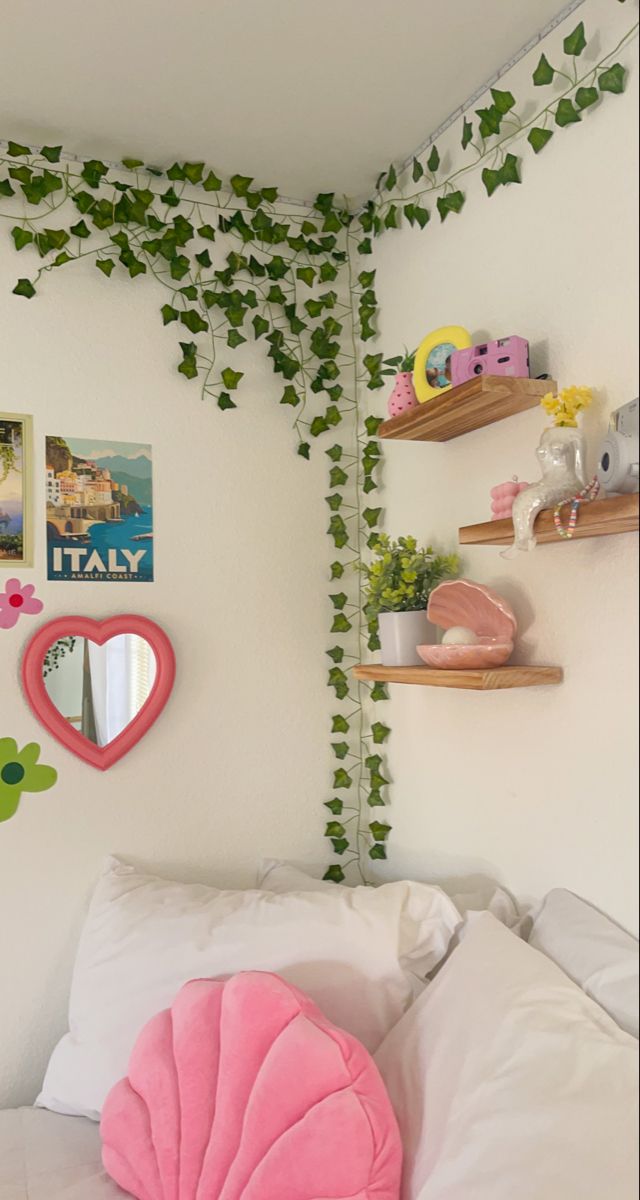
<point>15,149</point>
<point>378,851</point>
<point>93,171</point>
<point>194,322</point>
<point>341,779</point>
<point>544,72</point>
<point>105,265</point>
<point>379,732</point>
<point>204,258</point>
<point>334,873</point>
<point>318,426</point>
<point>194,172</point>
<point>372,425</point>
<point>80,229</point>
<point>453,202</point>
<point>433,161</point>
<point>225,401</point>
<point>374,799</point>
<point>379,692</point>
<point>21,237</point>
<point>575,43</point>
<point>371,516</point>
<point>538,138</point>
<point>339,845</point>
<point>336,654</point>
<point>169,313</point>
<point>467,133</point>
<point>24,287</point>
<point>490,120</point>
<point>211,183</point>
<point>188,367</point>
<point>207,232</point>
<point>340,749</point>
<point>503,101</point>
<point>491,180</point>
<point>379,831</point>
<point>566,114</point>
<point>6,188</point>
<point>417,170</point>
<point>337,570</point>
<point>339,724</point>
<point>334,453</point>
<point>340,624</point>
<point>170,198</point>
<point>337,477</point>
<point>231,378</point>
<point>391,180</point>
<point>51,153</point>
<point>613,80</point>
<point>235,339</point>
<point>290,396</point>
<point>241,184</point>
<point>306,274</point>
<point>586,96</point>
<point>335,806</point>
<point>510,170</point>
<point>132,163</point>
<point>338,599</point>
<point>391,218</point>
<point>176,172</point>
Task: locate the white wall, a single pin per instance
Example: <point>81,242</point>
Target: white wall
<point>237,765</point>
<point>538,787</point>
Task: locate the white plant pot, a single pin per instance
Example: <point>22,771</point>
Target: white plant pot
<point>400,633</point>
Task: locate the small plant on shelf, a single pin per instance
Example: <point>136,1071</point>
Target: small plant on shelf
<point>398,583</point>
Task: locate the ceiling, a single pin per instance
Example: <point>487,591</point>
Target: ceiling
<point>310,95</point>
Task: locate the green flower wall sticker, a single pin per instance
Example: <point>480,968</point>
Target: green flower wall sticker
<point>20,772</point>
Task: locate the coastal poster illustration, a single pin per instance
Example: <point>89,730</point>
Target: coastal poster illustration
<point>99,510</point>
<point>15,490</point>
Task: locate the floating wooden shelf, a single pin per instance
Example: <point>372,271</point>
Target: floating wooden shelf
<point>476,681</point>
<point>478,402</point>
<point>617,514</point>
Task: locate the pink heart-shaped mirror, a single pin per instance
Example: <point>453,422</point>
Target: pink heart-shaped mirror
<point>98,686</point>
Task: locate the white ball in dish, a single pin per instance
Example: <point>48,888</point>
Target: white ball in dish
<point>459,635</point>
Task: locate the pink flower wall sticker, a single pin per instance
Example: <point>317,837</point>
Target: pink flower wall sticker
<point>15,600</point>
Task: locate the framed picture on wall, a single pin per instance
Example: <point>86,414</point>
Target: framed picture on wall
<point>16,515</point>
<point>99,510</point>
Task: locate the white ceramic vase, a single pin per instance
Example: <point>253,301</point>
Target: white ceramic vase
<point>400,633</point>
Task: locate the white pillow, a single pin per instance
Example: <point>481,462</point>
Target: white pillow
<point>360,953</point>
<point>279,876</point>
<point>593,951</point>
<point>509,1082</point>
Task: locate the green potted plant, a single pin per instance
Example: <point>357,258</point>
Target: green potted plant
<point>399,581</point>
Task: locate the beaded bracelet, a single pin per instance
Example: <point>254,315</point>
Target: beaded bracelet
<point>587,494</point>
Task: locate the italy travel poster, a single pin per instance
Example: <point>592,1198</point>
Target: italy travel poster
<point>99,514</point>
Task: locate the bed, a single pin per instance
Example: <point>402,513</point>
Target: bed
<point>44,1156</point>
<point>513,1072</point>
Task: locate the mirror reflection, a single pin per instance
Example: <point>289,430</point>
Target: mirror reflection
<point>99,689</point>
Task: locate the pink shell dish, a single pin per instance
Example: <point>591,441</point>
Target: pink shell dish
<point>403,396</point>
<point>243,1090</point>
<point>463,602</point>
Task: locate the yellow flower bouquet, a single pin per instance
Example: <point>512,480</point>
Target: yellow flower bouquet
<point>565,406</point>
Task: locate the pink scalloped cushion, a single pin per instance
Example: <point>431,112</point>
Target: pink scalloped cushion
<point>243,1090</point>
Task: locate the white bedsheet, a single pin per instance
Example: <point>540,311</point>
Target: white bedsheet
<point>44,1156</point>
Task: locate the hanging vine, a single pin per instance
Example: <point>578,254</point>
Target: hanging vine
<point>489,135</point>
<point>240,265</point>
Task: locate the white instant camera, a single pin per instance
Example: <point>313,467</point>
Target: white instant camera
<point>618,463</point>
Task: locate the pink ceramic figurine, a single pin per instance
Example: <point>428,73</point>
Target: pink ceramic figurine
<point>503,496</point>
<point>403,396</point>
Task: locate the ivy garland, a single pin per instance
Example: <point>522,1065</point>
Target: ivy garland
<point>293,279</point>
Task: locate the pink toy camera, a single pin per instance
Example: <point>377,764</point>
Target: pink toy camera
<point>506,356</point>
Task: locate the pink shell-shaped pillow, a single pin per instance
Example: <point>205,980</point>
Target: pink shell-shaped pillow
<point>243,1090</point>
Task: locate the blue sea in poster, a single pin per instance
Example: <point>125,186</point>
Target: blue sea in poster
<point>99,511</point>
